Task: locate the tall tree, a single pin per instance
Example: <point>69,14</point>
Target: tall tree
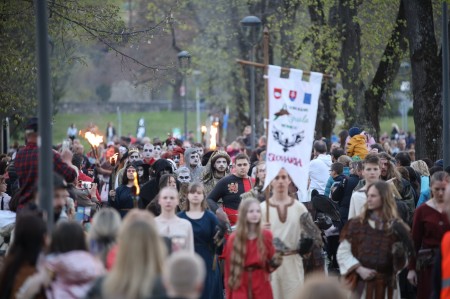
<point>426,77</point>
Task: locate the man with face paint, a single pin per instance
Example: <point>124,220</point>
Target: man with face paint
<point>192,161</point>
<point>184,177</point>
<point>216,169</point>
<point>148,153</point>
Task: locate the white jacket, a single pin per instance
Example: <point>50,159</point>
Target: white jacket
<point>319,172</point>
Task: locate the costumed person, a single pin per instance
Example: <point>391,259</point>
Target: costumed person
<point>192,161</point>
<point>208,236</point>
<point>143,172</point>
<point>429,226</point>
<point>123,198</point>
<point>151,188</point>
<point>230,188</point>
<point>250,256</point>
<point>215,169</point>
<point>148,154</point>
<point>178,230</point>
<point>260,173</point>
<point>291,225</point>
<point>375,246</point>
<point>184,178</point>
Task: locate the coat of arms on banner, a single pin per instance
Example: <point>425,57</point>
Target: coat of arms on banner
<point>293,103</point>
<point>292,95</point>
<point>277,93</point>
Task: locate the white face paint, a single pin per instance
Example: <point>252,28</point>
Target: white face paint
<point>148,151</point>
<point>200,151</point>
<point>122,150</point>
<point>157,151</point>
<point>184,177</point>
<point>194,159</point>
<point>176,159</point>
<point>221,165</point>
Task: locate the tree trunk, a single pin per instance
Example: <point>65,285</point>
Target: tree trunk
<point>350,63</point>
<point>386,72</point>
<point>322,59</point>
<point>426,78</point>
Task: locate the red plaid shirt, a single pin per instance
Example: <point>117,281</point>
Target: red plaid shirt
<point>26,164</point>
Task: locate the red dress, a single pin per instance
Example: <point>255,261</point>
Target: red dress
<point>260,278</point>
<point>429,227</point>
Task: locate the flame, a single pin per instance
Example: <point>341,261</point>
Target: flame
<point>93,139</point>
<point>212,140</point>
<point>204,129</point>
<point>136,183</point>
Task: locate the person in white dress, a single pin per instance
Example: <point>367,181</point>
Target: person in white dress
<point>178,230</point>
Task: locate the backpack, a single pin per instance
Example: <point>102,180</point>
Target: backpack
<point>338,190</point>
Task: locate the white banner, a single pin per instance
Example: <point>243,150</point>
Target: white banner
<point>292,118</point>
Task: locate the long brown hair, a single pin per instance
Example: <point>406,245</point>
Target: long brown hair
<point>389,208</point>
<point>237,259</point>
<point>194,187</point>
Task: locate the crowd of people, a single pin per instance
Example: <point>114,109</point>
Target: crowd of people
<point>148,218</point>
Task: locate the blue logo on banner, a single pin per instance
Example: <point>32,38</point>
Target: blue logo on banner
<point>307,99</point>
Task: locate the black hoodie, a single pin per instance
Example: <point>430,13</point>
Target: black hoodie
<point>151,188</point>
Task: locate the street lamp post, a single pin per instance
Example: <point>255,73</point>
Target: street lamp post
<point>197,74</point>
<point>251,28</point>
<point>184,59</point>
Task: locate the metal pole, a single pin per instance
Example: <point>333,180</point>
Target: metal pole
<point>252,97</point>
<point>119,122</point>
<point>445,91</point>
<point>45,181</point>
<point>185,106</point>
<point>197,107</point>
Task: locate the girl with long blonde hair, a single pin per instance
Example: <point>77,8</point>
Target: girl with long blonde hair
<point>138,267</point>
<point>249,256</point>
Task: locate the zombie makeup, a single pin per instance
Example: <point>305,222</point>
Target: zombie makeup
<point>194,159</point>
<point>148,151</point>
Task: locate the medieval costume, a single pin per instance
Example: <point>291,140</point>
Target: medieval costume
<point>255,280</point>
<point>286,226</point>
<point>204,233</point>
<point>429,227</point>
<point>229,190</point>
<point>210,175</point>
<point>192,161</point>
<point>383,250</point>
<point>178,230</point>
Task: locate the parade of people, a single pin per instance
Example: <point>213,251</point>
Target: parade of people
<point>205,149</point>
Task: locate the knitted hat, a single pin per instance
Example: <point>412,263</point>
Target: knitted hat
<point>354,131</point>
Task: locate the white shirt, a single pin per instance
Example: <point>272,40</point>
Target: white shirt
<point>319,172</point>
<point>357,202</point>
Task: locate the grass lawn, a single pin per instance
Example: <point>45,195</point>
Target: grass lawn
<point>157,124</point>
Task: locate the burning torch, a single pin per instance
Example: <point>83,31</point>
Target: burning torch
<point>94,141</point>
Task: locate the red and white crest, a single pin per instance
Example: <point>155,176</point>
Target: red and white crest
<point>292,95</point>
<point>277,93</point>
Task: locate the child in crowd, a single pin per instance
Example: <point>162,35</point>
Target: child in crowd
<point>357,145</point>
